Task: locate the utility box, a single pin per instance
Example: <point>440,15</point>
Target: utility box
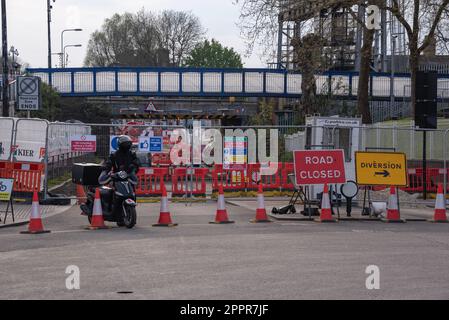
<point>327,133</point>
<point>86,174</point>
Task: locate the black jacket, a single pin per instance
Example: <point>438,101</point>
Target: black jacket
<point>122,161</point>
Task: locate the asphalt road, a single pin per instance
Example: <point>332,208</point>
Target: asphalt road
<point>282,260</point>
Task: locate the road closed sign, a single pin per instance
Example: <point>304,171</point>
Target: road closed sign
<point>320,167</point>
<point>381,169</point>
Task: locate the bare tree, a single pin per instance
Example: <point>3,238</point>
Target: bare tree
<point>146,38</point>
<point>179,32</point>
<point>139,39</point>
<point>114,44</point>
<point>310,61</point>
<point>259,24</point>
<point>365,61</point>
<point>424,21</point>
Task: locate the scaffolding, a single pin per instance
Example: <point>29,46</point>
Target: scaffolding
<point>343,34</point>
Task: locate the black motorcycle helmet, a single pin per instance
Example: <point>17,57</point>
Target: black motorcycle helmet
<point>125,143</point>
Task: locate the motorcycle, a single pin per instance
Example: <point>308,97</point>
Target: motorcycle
<point>122,193</point>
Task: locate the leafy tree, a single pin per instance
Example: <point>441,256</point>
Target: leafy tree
<point>212,54</point>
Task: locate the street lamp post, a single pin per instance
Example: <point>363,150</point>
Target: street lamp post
<point>14,53</point>
<point>69,46</point>
<point>5,97</point>
<point>62,43</point>
<point>49,8</point>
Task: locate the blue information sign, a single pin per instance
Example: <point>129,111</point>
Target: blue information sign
<point>156,144</point>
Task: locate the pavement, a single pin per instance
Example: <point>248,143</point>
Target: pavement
<point>284,260</point>
<point>22,214</point>
<point>406,213</point>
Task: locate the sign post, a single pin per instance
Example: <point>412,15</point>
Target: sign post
<point>6,189</point>
<point>28,93</point>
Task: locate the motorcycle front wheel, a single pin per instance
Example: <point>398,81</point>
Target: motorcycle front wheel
<point>130,217</point>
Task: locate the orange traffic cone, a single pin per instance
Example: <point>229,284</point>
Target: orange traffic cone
<point>35,226</point>
<point>165,216</point>
<point>393,213</point>
<point>440,207</point>
<point>97,222</point>
<point>261,212</point>
<point>326,210</point>
<point>80,194</point>
<point>222,213</point>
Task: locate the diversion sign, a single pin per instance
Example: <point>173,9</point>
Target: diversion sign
<point>381,169</point>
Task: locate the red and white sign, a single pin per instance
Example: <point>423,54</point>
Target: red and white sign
<point>84,143</point>
<point>320,167</point>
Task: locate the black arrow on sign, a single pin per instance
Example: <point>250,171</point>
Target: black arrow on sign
<point>385,174</point>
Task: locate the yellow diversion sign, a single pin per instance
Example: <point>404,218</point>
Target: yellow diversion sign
<point>381,169</point>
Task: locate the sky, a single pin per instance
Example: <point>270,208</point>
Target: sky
<point>27,24</point>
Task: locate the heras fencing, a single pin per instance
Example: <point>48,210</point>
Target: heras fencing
<point>193,161</point>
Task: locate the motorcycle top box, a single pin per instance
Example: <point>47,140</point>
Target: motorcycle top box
<point>86,174</point>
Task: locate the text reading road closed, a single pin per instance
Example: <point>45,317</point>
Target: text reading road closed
<point>386,169</point>
<point>319,167</point>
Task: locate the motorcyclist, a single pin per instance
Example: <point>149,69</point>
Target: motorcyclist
<point>124,159</point>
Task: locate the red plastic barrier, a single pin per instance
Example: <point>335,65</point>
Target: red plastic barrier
<point>6,169</point>
<point>435,176</point>
<point>27,176</point>
<point>286,184</point>
<point>233,179</point>
<point>182,179</point>
<point>269,182</point>
<point>150,181</point>
<point>416,180</point>
<point>161,159</point>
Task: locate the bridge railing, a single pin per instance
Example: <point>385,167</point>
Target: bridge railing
<point>120,81</point>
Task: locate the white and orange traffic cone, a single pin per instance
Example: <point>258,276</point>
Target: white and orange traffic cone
<point>97,222</point>
<point>222,214</point>
<point>440,207</point>
<point>393,213</point>
<point>326,209</point>
<point>35,226</point>
<point>165,216</point>
<point>80,194</point>
<point>261,212</point>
